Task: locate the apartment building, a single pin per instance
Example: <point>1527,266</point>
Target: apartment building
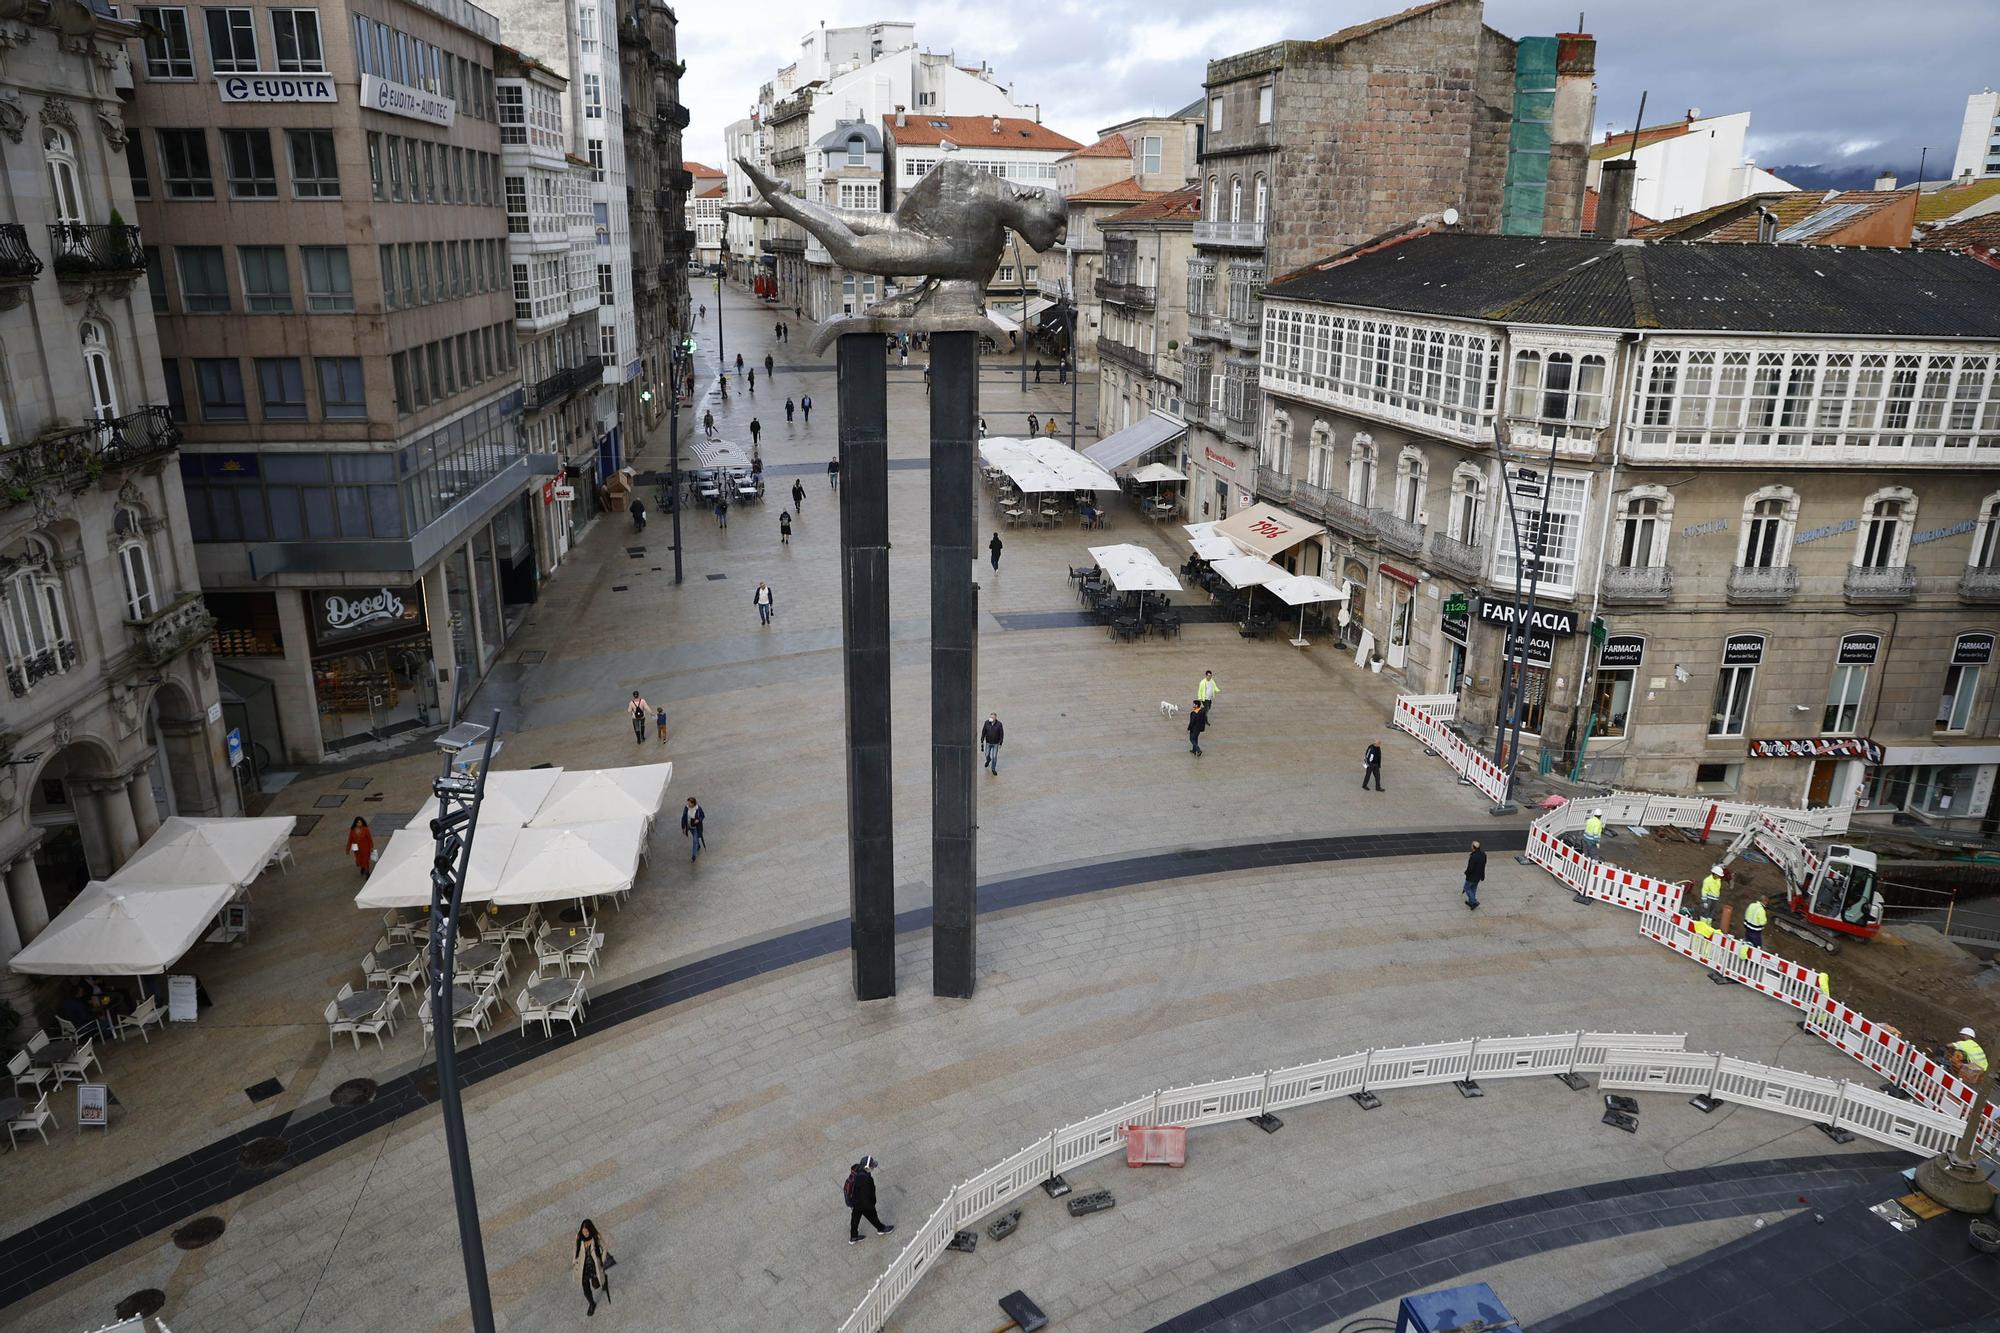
<point>742,238</point>
<point>323,204</point>
<point>1686,166</point>
<point>1756,490</point>
<point>709,191</point>
<point>111,719</point>
<point>661,239</point>
<point>1978,152</point>
<point>1310,146</point>
<point>1143,309</point>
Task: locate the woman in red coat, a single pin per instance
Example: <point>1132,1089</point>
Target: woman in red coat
<point>361,845</point>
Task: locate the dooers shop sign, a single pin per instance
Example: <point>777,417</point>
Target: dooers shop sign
<point>344,618</point>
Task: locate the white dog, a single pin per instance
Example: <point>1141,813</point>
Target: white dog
<point>1169,709</point>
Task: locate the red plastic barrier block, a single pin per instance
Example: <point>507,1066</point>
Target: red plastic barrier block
<point>1156,1145</point>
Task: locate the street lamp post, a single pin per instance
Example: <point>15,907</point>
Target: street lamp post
<point>678,357</point>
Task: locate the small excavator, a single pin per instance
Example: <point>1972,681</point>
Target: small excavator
<point>1828,896</point>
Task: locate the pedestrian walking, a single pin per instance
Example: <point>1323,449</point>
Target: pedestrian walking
<point>694,827</point>
<point>769,366</point>
<point>902,358</point>
<point>991,734</point>
<point>638,514</point>
<point>1050,427</point>
<point>927,381</point>
<point>1038,370</point>
<point>1371,765</point>
<point>1475,872</point>
<point>784,527</point>
<point>722,383</point>
<point>789,405</point>
<point>704,312</point>
<point>593,1264</point>
<point>1034,426</point>
<point>753,379</point>
<point>1197,723</point>
<point>721,512</point>
<point>833,473</point>
<point>361,845</point>
<point>756,433</point>
<point>1593,831</point>
<point>806,406</point>
<point>660,724</point>
<point>798,498</point>
<point>859,1192</point>
<point>739,363</point>
<point>1062,372</point>
<point>982,428</point>
<point>708,424</point>
<point>1206,689</point>
<point>637,710</point>
<point>993,549</point>
<point>762,600</point>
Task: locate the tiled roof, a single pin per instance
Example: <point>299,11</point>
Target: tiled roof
<point>1636,218</point>
<point>1126,191</point>
<point>1937,205</point>
<point>700,171</point>
<point>1587,283</point>
<point>1738,220</point>
<point>1618,142</point>
<point>974,132</point>
<point>1111,145</point>
<point>1172,206</point>
<point>714,191</point>
<point>1980,233</point>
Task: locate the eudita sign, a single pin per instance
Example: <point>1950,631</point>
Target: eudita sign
<point>275,88</point>
<point>345,617</point>
<point>400,99</point>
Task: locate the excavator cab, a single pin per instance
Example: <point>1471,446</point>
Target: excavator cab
<point>1843,893</point>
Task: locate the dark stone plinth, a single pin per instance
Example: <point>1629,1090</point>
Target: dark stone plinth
<point>954,399</point>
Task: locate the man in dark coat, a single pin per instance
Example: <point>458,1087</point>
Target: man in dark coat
<point>991,736</point>
<point>1475,872</point>
<point>1197,723</point>
<point>1371,766</point>
<point>860,1194</point>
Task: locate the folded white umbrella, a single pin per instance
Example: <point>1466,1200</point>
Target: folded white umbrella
<point>124,930</point>
<point>553,864</point>
<point>512,798</point>
<point>402,876</point>
<point>1158,472</point>
<point>206,851</point>
<point>592,795</point>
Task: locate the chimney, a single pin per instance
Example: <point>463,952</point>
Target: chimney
<point>902,117</point>
<point>1614,199</point>
<point>1767,225</point>
<point>1886,181</point>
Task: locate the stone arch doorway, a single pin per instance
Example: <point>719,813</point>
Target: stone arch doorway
<point>180,775</point>
<point>73,838</point>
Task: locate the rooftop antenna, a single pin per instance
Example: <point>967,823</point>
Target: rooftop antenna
<point>1922,154</point>
<point>1632,151</point>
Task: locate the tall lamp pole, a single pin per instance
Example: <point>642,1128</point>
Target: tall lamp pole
<point>678,358</point>
<point>458,797</point>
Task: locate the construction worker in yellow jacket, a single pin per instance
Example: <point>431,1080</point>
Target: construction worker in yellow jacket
<point>1593,831</point>
<point>1967,1057</point>
<point>1711,893</point>
<point>1755,918</point>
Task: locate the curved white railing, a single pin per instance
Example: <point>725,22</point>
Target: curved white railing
<point>1645,1061</point>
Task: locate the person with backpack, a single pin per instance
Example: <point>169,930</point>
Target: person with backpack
<point>859,1192</point>
<point>637,711</point>
<point>694,827</point>
<point>784,527</point>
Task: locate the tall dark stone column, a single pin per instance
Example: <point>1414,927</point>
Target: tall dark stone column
<point>864,581</point>
<point>954,663</point>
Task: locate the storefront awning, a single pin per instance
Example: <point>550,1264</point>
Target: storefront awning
<point>1903,756</point>
<point>1817,747</point>
<point>1266,530</point>
<point>1139,438</point>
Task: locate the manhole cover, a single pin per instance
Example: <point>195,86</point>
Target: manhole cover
<point>144,1304</point>
<point>532,657</point>
<point>355,1092</point>
<point>202,1231</point>
<point>262,1152</point>
<point>426,1086</point>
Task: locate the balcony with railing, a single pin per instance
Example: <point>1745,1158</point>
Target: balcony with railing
<point>1124,354</point>
<point>1141,294</point>
<point>1236,235</point>
<point>167,633</point>
<point>1345,514</point>
<point>18,263</point>
<point>86,250</point>
<point>672,112</point>
<point>77,455</point>
<point>23,672</point>
<point>1308,500</point>
<point>1979,585</point>
<point>1637,585</point>
<point>1752,585</point>
<point>1872,585</point>
<point>553,389</point>
<point>1273,485</point>
<point>1455,557</point>
<point>1399,534</point>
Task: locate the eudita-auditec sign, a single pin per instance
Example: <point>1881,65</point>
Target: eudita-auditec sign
<point>400,99</point>
<point>344,618</point>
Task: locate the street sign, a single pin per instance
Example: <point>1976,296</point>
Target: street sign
<point>235,744</point>
<point>92,1105</point>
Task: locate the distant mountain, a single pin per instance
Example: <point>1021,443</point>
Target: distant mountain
<point>1846,176</point>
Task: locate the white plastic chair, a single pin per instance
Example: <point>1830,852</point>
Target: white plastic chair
<point>377,976</point>
<point>587,956</point>
<point>371,1026</point>
<point>33,1120</point>
<point>396,929</point>
<point>68,1030</point>
<point>78,1065</point>
<point>523,931</point>
<point>280,859</point>
<point>23,1072</point>
<point>411,974</point>
<point>549,954</point>
<point>531,1012</point>
<point>568,1011</point>
<point>139,1019</point>
<point>473,1020</point>
<point>36,1042</point>
<point>424,1019</point>
<point>335,1024</point>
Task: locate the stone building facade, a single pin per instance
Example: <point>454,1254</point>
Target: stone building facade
<point>1142,309</point>
<point>659,225</point>
<point>111,719</point>
<point>1774,480</point>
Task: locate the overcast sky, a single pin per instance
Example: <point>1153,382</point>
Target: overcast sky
<point>1847,84</point>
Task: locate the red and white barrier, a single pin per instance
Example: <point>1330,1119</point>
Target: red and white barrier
<point>1424,717</point>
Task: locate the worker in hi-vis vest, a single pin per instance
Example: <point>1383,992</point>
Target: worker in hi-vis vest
<point>1711,893</point>
<point>1968,1057</point>
<point>1593,830</point>
<point>1755,918</point>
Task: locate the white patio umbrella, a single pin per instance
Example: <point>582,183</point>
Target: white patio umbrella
<point>1214,547</point>
<point>206,851</point>
<point>594,795</point>
<point>552,864</point>
<point>402,875</point>
<point>512,798</point>
<point>1248,572</point>
<point>1158,472</point>
<point>1301,590</point>
<point>124,930</point>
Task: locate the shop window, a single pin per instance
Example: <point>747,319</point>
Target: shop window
<point>1717,778</point>
<point>1961,692</point>
<point>1843,699</point>
<point>1729,712</point>
<point>1611,701</point>
<point>1943,791</point>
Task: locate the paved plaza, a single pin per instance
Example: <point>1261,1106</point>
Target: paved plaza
<point>709,1135</point>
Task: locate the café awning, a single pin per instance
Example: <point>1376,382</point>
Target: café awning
<point>124,930</point>
<point>713,454</point>
<point>206,851</point>
<point>1266,530</point>
<point>1141,437</point>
